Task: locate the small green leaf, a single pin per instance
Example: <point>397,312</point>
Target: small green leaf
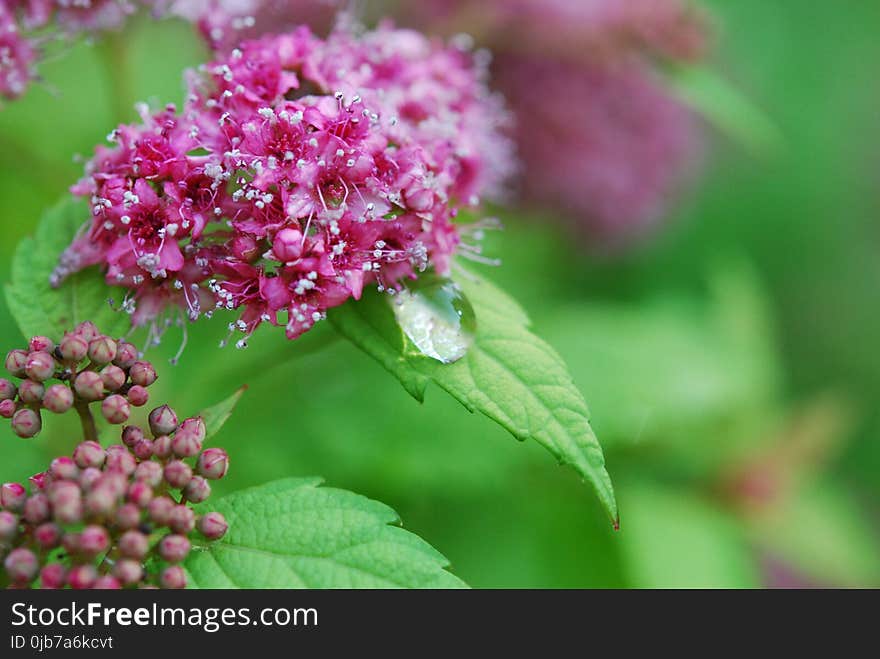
<point>40,309</point>
<point>294,534</point>
<point>509,374</point>
<point>217,415</point>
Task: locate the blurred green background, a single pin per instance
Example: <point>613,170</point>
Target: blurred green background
<point>731,365</point>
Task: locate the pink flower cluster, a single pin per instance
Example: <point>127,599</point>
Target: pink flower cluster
<point>24,25</point>
<point>607,143</point>
<point>27,25</point>
<point>299,171</point>
<point>226,23</point>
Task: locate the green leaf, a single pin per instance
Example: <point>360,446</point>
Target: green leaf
<point>675,539</point>
<point>726,108</point>
<point>674,370</point>
<point>40,309</point>
<point>217,415</point>
<point>294,534</point>
<point>509,374</point>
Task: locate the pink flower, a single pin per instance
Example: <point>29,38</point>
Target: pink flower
<point>225,24</point>
<point>91,15</point>
<point>300,171</point>
<point>612,149</point>
<point>17,57</point>
<point>600,137</point>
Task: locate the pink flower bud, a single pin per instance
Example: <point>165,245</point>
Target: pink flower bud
<point>16,362</point>
<point>90,476</point>
<point>7,408</point>
<point>245,248</point>
<point>12,496</point>
<point>113,377</point>
<point>185,444</point>
<point>142,374</point>
<point>89,386</point>
<point>174,548</point>
<point>87,331</point>
<point>58,398</point>
<point>138,396</point>
<point>128,572</point>
<point>70,542</point>
<point>173,577</point>
<point>39,481</point>
<point>8,526</point>
<point>126,355</point>
<point>420,200</point>
<point>94,540</point>
<point>287,245</point>
<point>197,490</point>
<point>26,423</point>
<point>177,473</point>
<point>140,494</point>
<point>195,426</point>
<point>162,446</point>
<point>21,565</point>
<point>40,366</point>
<point>106,582</point>
<point>163,421</point>
<point>213,463</point>
<point>41,344</point>
<point>100,501</point>
<point>149,472</point>
<point>181,519</point>
<point>128,516</point>
<point>121,462</point>
<point>67,503</point>
<point>63,468</point>
<point>213,526</point>
<point>102,350</point>
<point>7,390</point>
<point>73,348</point>
<point>115,409</point>
<point>89,454</point>
<point>159,510</point>
<point>36,508</point>
<point>115,481</point>
<point>31,392</point>
<point>131,435</point>
<point>82,577</point>
<point>48,535</point>
<point>133,544</point>
<point>143,450</point>
<point>53,576</point>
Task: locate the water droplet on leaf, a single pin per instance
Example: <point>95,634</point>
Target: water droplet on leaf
<point>437,317</point>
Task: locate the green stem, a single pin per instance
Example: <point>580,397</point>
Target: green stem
<point>90,432</point>
<point>115,56</point>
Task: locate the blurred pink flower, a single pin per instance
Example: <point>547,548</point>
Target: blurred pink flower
<point>610,147</point>
<point>599,135</point>
<point>226,23</point>
<point>17,57</point>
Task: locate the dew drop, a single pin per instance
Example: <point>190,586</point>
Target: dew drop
<point>436,317</point>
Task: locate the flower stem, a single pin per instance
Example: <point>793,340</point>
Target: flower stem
<point>90,432</point>
<point>117,63</point>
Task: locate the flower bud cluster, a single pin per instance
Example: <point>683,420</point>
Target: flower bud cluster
<point>119,517</point>
<point>85,367</point>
